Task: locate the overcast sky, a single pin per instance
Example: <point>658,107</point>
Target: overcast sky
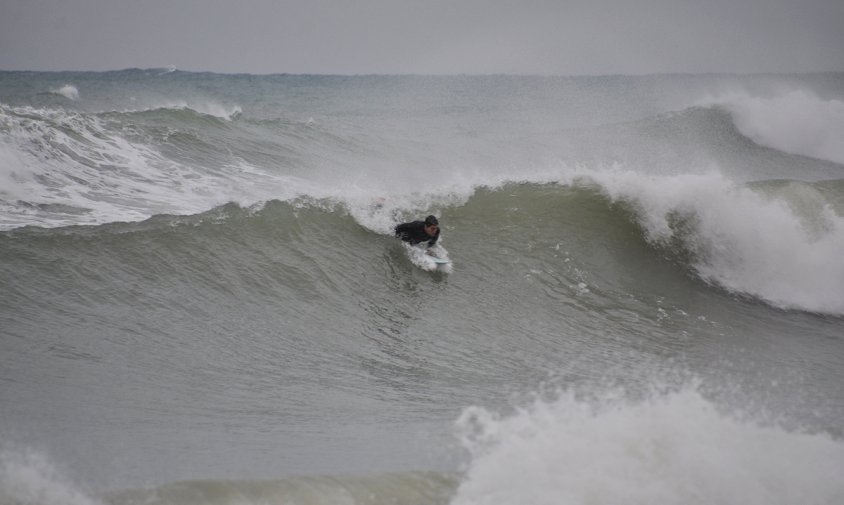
<point>569,37</point>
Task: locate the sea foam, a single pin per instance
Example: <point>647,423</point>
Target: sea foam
<point>27,477</point>
<point>668,449</point>
<point>98,169</point>
<point>68,91</point>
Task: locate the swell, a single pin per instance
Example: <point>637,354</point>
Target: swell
<point>625,232</point>
<point>309,277</point>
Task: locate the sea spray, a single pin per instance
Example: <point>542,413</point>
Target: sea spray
<point>68,91</point>
<point>29,478</point>
<point>670,448</point>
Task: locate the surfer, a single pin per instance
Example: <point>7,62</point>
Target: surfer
<point>416,232</point>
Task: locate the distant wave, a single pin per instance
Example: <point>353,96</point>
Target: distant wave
<point>205,108</point>
<point>98,167</point>
<point>68,91</point>
<point>797,122</point>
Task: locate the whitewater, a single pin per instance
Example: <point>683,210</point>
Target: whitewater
<point>203,301</point>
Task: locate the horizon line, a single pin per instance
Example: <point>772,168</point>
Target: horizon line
<point>172,69</point>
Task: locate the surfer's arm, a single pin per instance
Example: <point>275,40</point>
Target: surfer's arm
<point>404,230</point>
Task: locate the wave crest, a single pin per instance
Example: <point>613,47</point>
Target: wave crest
<point>797,122</point>
<point>777,242</point>
<point>68,91</point>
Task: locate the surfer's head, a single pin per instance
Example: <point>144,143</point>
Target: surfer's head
<point>432,226</point>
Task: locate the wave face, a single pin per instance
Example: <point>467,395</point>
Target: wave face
<point>203,301</point>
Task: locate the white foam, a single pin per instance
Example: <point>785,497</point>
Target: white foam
<point>68,91</point>
<point>97,169</point>
<point>27,477</point>
<point>12,173</point>
<point>741,239</point>
<point>797,122</point>
<point>672,448</point>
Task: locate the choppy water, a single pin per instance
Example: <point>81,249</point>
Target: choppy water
<point>202,301</point>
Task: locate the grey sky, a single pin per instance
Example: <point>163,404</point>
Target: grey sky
<point>425,36</point>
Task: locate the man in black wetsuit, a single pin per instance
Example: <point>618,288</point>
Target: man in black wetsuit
<point>420,231</point>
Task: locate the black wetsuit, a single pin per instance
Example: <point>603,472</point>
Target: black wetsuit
<point>415,233</point>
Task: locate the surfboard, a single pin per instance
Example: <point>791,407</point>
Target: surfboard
<point>419,256</point>
<point>436,264</point>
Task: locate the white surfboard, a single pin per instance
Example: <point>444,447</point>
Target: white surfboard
<point>433,259</point>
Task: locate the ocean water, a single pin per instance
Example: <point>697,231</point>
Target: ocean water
<point>202,301</point>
